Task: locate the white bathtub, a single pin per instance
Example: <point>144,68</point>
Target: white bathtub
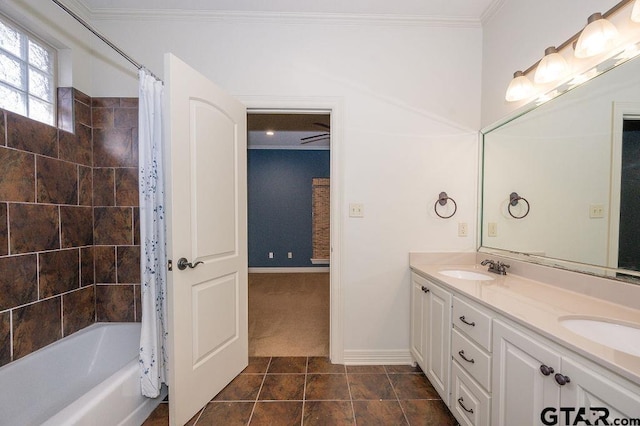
<point>89,378</point>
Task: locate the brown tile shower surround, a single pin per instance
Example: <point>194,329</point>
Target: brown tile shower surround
<point>69,245</point>
<point>312,391</point>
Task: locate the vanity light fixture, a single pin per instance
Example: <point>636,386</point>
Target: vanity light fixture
<point>270,132</point>
<point>551,67</point>
<point>598,36</point>
<point>519,88</point>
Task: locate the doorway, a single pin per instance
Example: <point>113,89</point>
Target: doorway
<point>289,155</point>
<point>629,233</point>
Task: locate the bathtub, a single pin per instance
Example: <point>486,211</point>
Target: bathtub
<point>88,378</point>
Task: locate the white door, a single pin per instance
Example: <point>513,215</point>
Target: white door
<point>437,343</point>
<point>596,396</point>
<point>417,318</point>
<point>206,219</point>
<point>521,390</point>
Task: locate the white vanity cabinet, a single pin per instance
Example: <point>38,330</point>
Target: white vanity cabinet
<point>431,332</point>
<point>592,388</point>
<point>535,382</point>
<point>520,390</point>
<point>471,364</point>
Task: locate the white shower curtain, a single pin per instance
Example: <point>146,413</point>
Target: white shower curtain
<point>153,355</point>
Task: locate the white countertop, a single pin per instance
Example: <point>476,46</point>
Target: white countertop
<point>539,307</point>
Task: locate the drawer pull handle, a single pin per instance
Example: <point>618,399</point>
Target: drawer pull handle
<point>546,370</point>
<point>461,353</point>
<point>472,324</point>
<point>424,289</point>
<point>461,402</point>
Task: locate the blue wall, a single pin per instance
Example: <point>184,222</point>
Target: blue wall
<point>279,191</point>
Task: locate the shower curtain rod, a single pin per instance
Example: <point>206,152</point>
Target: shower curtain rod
<point>103,38</point>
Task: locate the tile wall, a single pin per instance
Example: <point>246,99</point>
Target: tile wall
<point>115,208</point>
<point>69,252</point>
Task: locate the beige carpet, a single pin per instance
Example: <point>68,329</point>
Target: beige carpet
<point>289,314</point>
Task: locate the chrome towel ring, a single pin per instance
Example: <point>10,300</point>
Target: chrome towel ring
<point>442,200</point>
<point>514,198</point>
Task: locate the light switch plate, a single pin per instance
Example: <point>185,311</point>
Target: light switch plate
<point>596,211</point>
<point>356,210</point>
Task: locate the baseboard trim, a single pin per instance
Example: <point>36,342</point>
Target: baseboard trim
<point>296,270</point>
<point>378,357</point>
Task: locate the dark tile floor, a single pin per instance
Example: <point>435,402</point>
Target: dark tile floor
<point>312,391</point>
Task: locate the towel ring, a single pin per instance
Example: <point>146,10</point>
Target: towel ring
<point>514,198</point>
<point>442,200</point>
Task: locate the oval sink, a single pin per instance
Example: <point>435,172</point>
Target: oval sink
<point>465,275</point>
<point>621,337</point>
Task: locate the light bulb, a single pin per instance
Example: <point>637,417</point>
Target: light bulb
<point>596,37</point>
<point>635,12</point>
<point>551,67</point>
<point>519,88</point>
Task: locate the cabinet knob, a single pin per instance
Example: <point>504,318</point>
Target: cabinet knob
<point>472,323</point>
<point>426,290</point>
<point>546,370</point>
<point>461,402</point>
<point>562,380</point>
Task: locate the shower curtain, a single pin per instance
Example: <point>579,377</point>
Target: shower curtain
<point>153,338</point>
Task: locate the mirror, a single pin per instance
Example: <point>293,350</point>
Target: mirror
<point>575,163</point>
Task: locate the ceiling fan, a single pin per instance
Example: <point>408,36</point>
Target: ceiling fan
<point>318,137</point>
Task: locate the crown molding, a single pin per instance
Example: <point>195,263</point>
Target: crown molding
<point>79,8</point>
<point>491,11</point>
<point>292,18</point>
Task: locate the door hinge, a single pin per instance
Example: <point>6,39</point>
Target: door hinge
<point>170,265</point>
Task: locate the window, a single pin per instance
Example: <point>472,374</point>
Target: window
<point>26,73</point>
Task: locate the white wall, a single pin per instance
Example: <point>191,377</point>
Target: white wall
<point>515,37</point>
<point>75,44</point>
<point>411,97</point>
<point>398,85</point>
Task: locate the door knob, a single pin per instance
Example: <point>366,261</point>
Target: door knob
<point>183,263</point>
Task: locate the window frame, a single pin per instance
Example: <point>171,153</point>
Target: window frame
<point>28,68</point>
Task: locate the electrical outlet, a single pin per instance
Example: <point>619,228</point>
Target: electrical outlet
<point>356,210</point>
<point>596,211</point>
<point>492,229</point>
<point>463,230</point>
<point>270,255</point>
<point>290,255</point>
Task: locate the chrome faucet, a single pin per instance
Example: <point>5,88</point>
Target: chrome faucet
<point>495,267</point>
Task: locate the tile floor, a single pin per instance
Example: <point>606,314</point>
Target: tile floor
<point>312,391</point>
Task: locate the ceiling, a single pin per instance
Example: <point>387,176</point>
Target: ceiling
<point>290,131</point>
<point>452,9</point>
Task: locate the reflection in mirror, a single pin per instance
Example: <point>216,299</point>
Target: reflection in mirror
<point>576,159</point>
<point>629,233</point>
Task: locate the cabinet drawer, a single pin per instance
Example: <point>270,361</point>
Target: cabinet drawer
<point>469,403</point>
<point>472,358</point>
<point>472,322</point>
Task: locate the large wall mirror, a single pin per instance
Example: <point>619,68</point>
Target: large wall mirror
<point>575,163</point>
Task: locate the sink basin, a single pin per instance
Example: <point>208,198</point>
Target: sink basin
<point>465,275</point>
<point>621,337</point>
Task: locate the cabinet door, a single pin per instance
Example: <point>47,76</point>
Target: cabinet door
<point>594,396</point>
<point>418,300</point>
<point>437,348</point>
<point>520,391</point>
